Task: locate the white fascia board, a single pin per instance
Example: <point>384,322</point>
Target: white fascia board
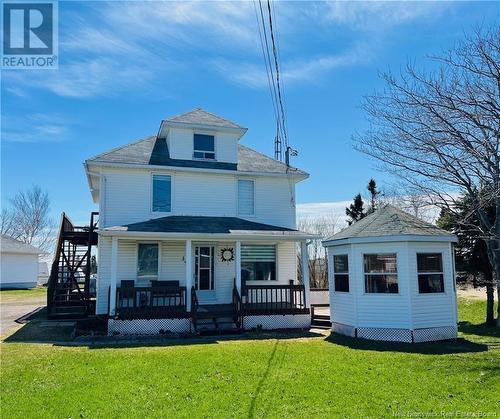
<point>239,131</point>
<point>388,239</point>
<point>299,177</point>
<point>94,189</point>
<point>236,235</point>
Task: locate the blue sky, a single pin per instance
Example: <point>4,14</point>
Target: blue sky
<point>124,66</point>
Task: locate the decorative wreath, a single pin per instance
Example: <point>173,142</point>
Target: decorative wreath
<point>226,255</point>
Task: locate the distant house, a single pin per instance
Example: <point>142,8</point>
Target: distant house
<point>197,231</point>
<point>392,277</point>
<point>19,264</point>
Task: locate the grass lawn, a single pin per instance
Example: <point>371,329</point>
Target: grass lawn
<point>303,377</point>
<point>26,295</point>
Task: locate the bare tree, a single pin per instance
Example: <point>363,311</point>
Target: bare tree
<point>439,131</point>
<point>323,227</point>
<point>28,219</point>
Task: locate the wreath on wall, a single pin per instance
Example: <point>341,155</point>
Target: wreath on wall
<point>226,254</point>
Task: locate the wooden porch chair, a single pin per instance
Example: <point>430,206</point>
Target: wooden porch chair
<point>127,293</point>
<point>165,293</point>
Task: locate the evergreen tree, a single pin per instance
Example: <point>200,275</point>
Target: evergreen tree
<point>356,210</point>
<point>374,193</point>
<point>471,253</point>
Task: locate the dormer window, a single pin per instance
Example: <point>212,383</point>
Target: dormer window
<point>204,147</point>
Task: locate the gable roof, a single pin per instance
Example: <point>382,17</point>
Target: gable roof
<point>389,221</point>
<point>10,245</point>
<point>199,116</point>
<point>154,151</point>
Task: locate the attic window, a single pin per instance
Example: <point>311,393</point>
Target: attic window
<point>204,147</point>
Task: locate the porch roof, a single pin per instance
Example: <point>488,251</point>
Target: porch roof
<point>189,226</point>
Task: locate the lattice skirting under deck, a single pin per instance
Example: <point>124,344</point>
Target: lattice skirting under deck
<point>435,333</point>
<point>277,321</point>
<point>386,334</point>
<point>148,326</point>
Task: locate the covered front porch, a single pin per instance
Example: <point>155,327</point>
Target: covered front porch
<point>233,275</point>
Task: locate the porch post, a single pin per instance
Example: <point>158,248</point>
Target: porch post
<point>114,269</point>
<point>305,272</point>
<point>237,264</point>
<point>189,273</point>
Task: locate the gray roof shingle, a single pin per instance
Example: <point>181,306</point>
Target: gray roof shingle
<point>10,245</point>
<point>153,151</point>
<point>197,224</point>
<point>199,116</point>
<point>389,221</point>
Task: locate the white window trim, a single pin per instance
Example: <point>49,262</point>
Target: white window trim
<point>213,134</point>
<point>427,294</point>
<point>172,188</point>
<point>381,273</point>
<point>253,215</point>
<point>146,278</point>
<point>342,273</point>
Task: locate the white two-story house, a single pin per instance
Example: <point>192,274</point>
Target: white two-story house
<point>197,231</point>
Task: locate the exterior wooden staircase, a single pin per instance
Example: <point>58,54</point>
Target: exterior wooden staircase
<point>69,289</point>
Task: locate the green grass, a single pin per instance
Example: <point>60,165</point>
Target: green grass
<point>20,295</point>
<point>304,377</point>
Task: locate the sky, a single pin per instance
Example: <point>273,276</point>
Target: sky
<point>125,66</point>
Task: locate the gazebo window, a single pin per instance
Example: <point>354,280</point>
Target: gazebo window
<point>381,273</point>
<point>341,273</point>
<point>430,273</point>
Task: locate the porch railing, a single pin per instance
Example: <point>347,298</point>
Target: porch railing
<point>274,299</point>
<point>151,302</point>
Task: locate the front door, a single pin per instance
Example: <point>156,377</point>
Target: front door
<point>204,273</point>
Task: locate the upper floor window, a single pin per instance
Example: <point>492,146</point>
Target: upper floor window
<point>246,197</point>
<point>381,273</point>
<point>147,260</point>
<point>341,273</point>
<point>162,193</point>
<point>204,146</point>
<point>430,273</point>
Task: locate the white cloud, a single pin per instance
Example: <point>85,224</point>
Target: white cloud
<point>34,128</point>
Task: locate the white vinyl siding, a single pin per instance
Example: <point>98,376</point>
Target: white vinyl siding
<point>246,197</point>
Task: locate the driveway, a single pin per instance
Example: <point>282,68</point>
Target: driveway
<point>16,304</point>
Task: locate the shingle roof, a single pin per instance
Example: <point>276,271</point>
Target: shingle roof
<point>199,116</point>
<point>153,151</point>
<point>197,224</point>
<point>10,245</point>
<point>389,221</point>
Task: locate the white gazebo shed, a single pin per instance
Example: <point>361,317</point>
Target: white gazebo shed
<point>392,277</point>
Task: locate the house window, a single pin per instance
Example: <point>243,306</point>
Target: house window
<point>258,263</point>
<point>246,197</point>
<point>147,260</point>
<point>341,273</point>
<point>162,193</point>
<point>204,147</point>
<point>381,273</point>
<point>430,273</point>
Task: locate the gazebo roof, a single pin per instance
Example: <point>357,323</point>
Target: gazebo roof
<point>389,223</point>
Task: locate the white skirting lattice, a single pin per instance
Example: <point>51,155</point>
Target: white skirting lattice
<point>148,326</point>
<point>435,333</point>
<point>277,321</point>
<point>386,334</point>
<point>344,329</point>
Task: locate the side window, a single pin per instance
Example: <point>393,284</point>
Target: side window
<point>341,273</point>
<point>162,193</point>
<point>246,197</point>
<point>147,260</point>
<point>204,147</point>
<point>430,273</point>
